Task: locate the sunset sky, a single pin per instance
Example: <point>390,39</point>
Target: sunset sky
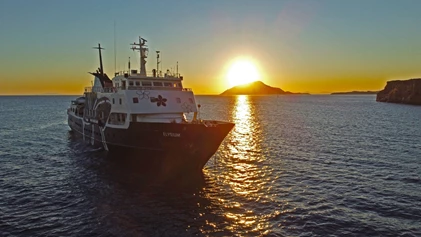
<point>300,46</point>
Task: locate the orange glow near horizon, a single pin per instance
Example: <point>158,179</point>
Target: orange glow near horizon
<point>73,83</point>
<point>44,86</point>
<point>201,85</point>
<point>205,88</point>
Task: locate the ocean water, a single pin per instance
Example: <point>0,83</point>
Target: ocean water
<point>292,166</point>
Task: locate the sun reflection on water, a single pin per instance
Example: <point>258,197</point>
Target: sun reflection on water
<point>245,172</point>
<point>242,134</point>
<point>245,148</point>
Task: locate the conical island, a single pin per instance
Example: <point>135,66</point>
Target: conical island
<point>255,88</point>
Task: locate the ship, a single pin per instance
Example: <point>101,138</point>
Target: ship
<point>147,116</point>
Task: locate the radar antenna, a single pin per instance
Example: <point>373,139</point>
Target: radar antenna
<point>143,50</point>
<point>101,69</point>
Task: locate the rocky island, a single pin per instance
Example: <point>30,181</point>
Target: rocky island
<point>256,88</point>
<point>405,92</point>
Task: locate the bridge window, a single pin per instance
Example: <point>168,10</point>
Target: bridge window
<point>131,83</point>
<point>146,83</point>
<point>137,83</point>
<point>168,84</point>
<point>157,84</point>
<point>120,100</point>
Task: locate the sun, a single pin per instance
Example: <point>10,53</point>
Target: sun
<point>241,72</point>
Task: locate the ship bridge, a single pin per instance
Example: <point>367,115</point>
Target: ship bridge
<point>137,96</point>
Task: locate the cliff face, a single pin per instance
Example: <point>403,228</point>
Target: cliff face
<point>406,92</point>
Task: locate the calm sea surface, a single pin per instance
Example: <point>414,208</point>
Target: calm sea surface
<point>292,166</point>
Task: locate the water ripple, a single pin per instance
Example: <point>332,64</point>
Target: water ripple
<point>292,166</point>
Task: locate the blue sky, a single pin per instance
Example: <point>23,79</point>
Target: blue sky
<point>297,45</point>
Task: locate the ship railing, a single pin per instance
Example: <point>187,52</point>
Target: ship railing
<point>109,89</point>
<point>155,88</point>
<point>115,89</point>
<point>167,75</point>
<point>99,89</point>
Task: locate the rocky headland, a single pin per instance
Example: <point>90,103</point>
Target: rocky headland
<point>405,92</point>
<point>256,88</point>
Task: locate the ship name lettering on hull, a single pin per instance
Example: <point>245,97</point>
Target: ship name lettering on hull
<point>171,134</point>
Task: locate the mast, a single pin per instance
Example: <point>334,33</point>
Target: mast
<point>157,62</point>
<point>115,52</point>
<point>101,69</point>
<point>143,50</point>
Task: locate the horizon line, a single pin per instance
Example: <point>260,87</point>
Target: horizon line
<point>297,93</point>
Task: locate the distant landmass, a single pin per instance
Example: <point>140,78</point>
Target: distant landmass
<point>405,92</point>
<point>256,88</point>
<point>355,93</point>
